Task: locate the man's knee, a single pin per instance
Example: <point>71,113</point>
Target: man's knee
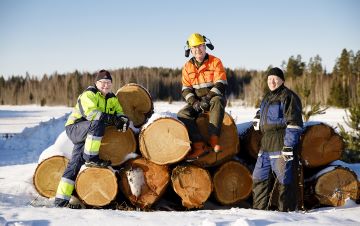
<point>97,127</point>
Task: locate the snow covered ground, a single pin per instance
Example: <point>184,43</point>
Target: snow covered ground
<point>19,156</point>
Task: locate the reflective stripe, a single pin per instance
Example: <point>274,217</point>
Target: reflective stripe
<point>216,90</point>
<point>59,196</point>
<point>222,81</point>
<point>293,127</point>
<point>186,87</point>
<point>94,115</point>
<point>203,85</point>
<point>274,156</point>
<point>92,145</point>
<point>188,96</point>
<point>72,118</point>
<point>65,189</point>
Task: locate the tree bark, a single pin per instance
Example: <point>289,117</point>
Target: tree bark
<point>144,182</point>
<point>193,184</point>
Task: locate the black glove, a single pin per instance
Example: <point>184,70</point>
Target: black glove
<point>108,119</point>
<point>197,107</point>
<point>287,153</point>
<point>256,121</point>
<point>205,103</point>
<point>122,123</point>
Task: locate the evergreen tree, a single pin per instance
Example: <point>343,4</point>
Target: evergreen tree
<point>295,67</point>
<point>352,137</point>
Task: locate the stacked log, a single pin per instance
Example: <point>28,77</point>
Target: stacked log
<point>136,102</point>
<point>164,141</point>
<point>232,183</point>
<point>96,186</point>
<point>320,145</point>
<point>143,182</point>
<point>193,184</point>
<point>331,187</point>
<point>48,174</point>
<point>116,145</point>
<point>228,140</point>
<point>250,142</point>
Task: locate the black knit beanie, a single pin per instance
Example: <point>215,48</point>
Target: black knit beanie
<point>103,74</point>
<point>276,71</point>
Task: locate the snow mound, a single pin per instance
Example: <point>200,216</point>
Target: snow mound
<point>27,146</point>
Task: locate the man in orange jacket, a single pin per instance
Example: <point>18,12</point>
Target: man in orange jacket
<point>203,88</point>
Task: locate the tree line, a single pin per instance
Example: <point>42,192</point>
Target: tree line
<point>340,88</point>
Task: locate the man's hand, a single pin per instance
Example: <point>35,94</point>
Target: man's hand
<point>287,153</point>
<point>108,119</point>
<point>122,123</point>
<point>205,103</point>
<point>197,107</point>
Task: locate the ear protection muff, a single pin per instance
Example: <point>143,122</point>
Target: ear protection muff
<point>208,44</point>
<point>187,49</point>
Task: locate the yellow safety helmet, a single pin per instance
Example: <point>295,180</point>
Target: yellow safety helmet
<point>195,39</point>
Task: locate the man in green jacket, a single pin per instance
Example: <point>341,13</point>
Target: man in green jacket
<point>96,108</point>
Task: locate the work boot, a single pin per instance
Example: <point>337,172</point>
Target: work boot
<point>61,202</point>
<point>198,150</point>
<point>214,143</point>
<point>98,163</point>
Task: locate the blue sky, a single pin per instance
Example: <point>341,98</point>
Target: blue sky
<point>46,36</point>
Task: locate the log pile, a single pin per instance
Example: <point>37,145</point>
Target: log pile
<point>160,168</point>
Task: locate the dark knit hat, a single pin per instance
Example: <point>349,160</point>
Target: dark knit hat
<point>276,71</point>
<point>103,74</point>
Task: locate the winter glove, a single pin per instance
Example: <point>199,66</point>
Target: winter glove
<point>205,103</point>
<point>108,119</point>
<point>287,153</point>
<point>256,121</point>
<point>122,123</point>
<point>197,107</point>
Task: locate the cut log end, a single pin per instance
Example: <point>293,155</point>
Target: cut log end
<point>334,187</point>
<point>144,182</point>
<point>320,145</point>
<point>96,186</point>
<point>136,103</point>
<point>48,174</point>
<point>232,183</point>
<point>193,184</point>
<point>115,145</point>
<point>164,141</point>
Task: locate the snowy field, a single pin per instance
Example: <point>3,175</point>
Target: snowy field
<point>38,127</point>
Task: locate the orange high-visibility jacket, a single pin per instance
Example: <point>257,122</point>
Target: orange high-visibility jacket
<point>207,80</point>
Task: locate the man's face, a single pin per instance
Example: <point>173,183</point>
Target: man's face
<point>104,85</point>
<point>198,52</point>
<point>274,82</point>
